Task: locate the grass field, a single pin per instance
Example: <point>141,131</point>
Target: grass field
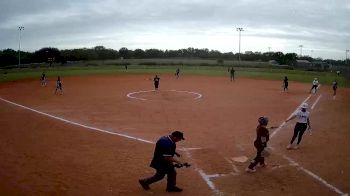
<point>263,72</point>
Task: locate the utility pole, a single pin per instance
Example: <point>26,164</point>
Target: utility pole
<point>346,56</point>
<point>19,46</point>
<point>269,49</point>
<point>239,43</point>
<point>301,50</point>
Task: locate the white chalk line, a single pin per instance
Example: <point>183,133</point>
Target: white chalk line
<point>201,173</point>
<point>78,124</point>
<point>130,95</point>
<point>313,105</point>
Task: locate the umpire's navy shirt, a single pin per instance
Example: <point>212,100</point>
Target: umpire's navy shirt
<point>165,147</point>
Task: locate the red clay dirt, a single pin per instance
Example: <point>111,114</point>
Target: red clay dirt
<point>41,155</point>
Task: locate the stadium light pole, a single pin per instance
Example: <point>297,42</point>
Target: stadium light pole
<point>239,43</point>
<point>346,56</point>
<point>19,46</point>
<point>301,50</point>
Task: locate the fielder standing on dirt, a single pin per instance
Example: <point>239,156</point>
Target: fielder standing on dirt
<point>232,74</point>
<point>156,82</point>
<point>177,73</point>
<point>43,79</point>
<point>163,162</point>
<point>59,85</point>
<point>335,86</point>
<point>260,143</point>
<point>285,84</point>
<point>303,122</point>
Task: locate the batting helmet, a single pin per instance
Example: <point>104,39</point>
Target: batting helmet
<point>263,120</point>
<point>304,105</point>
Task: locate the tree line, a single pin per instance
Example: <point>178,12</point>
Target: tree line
<point>9,57</point>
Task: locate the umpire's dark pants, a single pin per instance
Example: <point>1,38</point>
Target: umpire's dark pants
<point>160,173</point>
<point>258,158</point>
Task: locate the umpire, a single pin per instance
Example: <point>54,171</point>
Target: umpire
<point>163,160</point>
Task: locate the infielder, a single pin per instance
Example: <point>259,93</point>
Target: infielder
<point>177,73</point>
<point>43,79</point>
<point>163,160</point>
<point>285,84</point>
<point>260,143</point>
<point>335,86</point>
<point>59,85</point>
<point>156,82</point>
<point>303,122</point>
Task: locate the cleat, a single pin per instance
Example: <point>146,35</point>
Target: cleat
<point>173,189</point>
<point>248,170</point>
<point>144,184</point>
<point>289,147</point>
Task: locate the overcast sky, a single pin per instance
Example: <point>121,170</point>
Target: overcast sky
<point>322,27</point>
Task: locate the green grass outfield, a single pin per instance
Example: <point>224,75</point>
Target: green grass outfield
<point>325,78</point>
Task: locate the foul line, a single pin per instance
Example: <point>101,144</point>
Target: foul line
<point>78,124</point>
<point>313,105</point>
<point>137,92</point>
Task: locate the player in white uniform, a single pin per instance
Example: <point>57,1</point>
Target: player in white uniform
<point>303,122</point>
<point>315,84</point>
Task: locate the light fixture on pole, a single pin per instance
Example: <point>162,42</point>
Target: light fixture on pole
<point>19,46</point>
<point>239,43</point>
<point>301,50</point>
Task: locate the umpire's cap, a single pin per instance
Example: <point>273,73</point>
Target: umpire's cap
<point>263,120</point>
<point>178,134</point>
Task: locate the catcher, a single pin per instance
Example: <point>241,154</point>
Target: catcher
<point>164,162</point>
<point>260,143</point>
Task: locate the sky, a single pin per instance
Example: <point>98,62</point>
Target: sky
<point>317,28</point>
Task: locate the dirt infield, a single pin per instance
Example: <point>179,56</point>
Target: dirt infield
<point>98,137</point>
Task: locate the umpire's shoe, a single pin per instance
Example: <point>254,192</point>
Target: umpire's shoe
<point>144,184</point>
<point>173,189</point>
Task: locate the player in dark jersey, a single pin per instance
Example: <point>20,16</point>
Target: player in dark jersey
<point>285,84</point>
<point>232,74</point>
<point>177,73</point>
<point>59,85</point>
<point>156,82</point>
<point>335,86</point>
<point>43,79</point>
<point>163,162</point>
<point>260,143</point>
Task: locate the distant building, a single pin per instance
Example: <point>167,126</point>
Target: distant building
<point>303,63</point>
<point>320,65</point>
<point>315,65</point>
